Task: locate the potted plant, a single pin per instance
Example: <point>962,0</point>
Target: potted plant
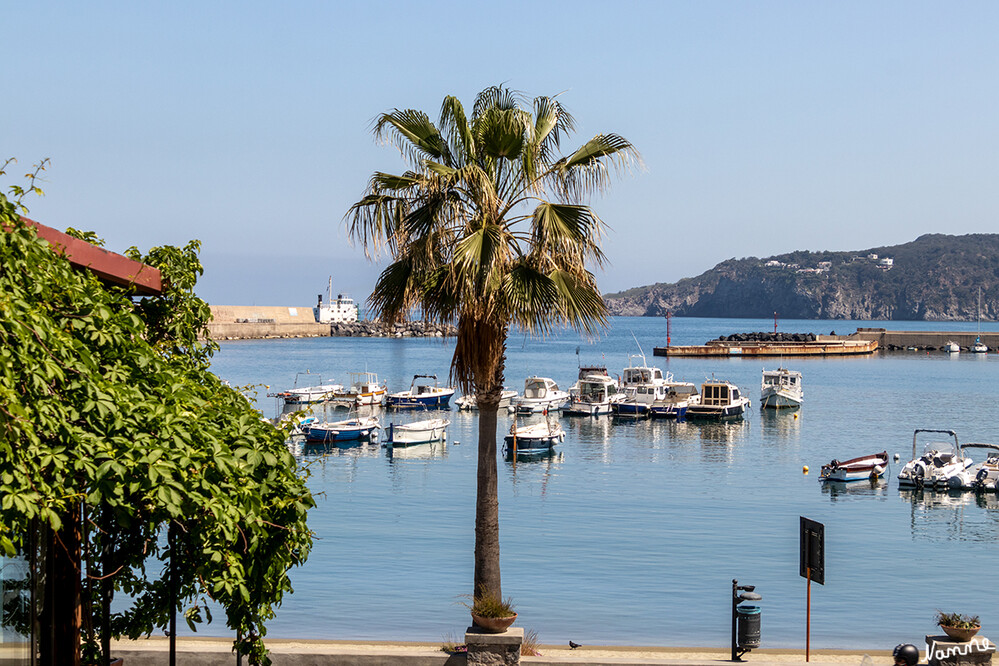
<point>957,626</point>
<point>490,613</point>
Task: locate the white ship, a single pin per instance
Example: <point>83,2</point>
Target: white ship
<point>338,311</point>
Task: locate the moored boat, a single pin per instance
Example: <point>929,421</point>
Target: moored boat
<point>951,347</point>
<point>642,385</point>
<point>679,397</point>
<point>979,476</point>
<point>593,394</point>
<point>719,400</point>
<point>781,388</point>
<point>422,394</point>
<point>308,394</point>
<point>939,461</point>
<point>470,403</point>
<point>365,390</point>
<point>341,431</point>
<point>533,439</point>
<point>418,432</point>
<point>541,394</point>
<point>856,469</point>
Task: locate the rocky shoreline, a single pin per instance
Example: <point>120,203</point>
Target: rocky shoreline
<point>375,329</point>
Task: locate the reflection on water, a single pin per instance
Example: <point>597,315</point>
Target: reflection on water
<point>841,490</point>
<point>952,515</point>
<point>780,426</point>
<point>417,451</point>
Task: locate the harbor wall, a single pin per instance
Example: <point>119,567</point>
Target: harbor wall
<point>925,339</point>
<point>247,322</point>
<point>252,322</point>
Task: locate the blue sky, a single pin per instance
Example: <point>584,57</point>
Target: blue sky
<point>765,127</point>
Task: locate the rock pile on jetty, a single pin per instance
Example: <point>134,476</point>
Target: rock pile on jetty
<point>768,337</point>
<point>375,329</point>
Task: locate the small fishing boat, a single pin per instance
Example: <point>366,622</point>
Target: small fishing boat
<point>719,400</point>
<point>469,403</point>
<point>856,469</point>
<point>679,397</point>
<point>642,385</point>
<point>980,476</point>
<point>346,430</point>
<point>952,347</point>
<point>422,394</point>
<point>365,390</point>
<point>541,394</point>
<point>781,388</point>
<point>939,461</point>
<point>307,394</point>
<point>593,394</point>
<point>418,432</point>
<point>533,439</point>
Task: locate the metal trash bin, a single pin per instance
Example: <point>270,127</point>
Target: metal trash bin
<point>749,626</point>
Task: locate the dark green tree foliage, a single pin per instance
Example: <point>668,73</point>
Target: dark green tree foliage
<point>107,404</point>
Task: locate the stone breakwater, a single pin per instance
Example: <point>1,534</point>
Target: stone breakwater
<point>375,329</point>
<point>245,322</point>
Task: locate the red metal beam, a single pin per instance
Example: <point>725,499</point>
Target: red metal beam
<point>108,266</point>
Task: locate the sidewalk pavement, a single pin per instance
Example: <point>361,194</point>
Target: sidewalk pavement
<point>285,652</point>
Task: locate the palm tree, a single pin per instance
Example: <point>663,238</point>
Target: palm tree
<point>486,229</point>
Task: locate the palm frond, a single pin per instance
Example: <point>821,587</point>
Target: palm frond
<point>529,295</point>
<point>498,97</point>
<point>585,171</point>
<point>374,220</point>
<point>579,301</point>
<point>393,295</point>
<point>413,133</point>
<point>381,182</point>
<point>454,125</point>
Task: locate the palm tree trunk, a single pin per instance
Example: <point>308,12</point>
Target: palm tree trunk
<point>487,551</point>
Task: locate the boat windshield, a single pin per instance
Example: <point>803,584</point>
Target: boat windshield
<point>535,390</point>
<point>939,448</point>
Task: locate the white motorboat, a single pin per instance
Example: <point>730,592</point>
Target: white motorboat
<point>864,468</point>
<point>781,388</point>
<point>593,394</point>
<point>418,432</point>
<point>541,394</point>
<point>679,397</point>
<point>469,402</point>
<point>338,432</point>
<point>980,476</point>
<point>951,347</point>
<point>719,400</point>
<point>422,395</point>
<point>938,462</point>
<point>642,385</point>
<point>308,394</point>
<point>533,439</point>
<point>365,390</point>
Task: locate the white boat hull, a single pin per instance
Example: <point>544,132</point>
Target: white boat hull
<point>780,399</point>
<point>418,432</point>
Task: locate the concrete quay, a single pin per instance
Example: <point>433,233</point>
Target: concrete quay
<point>252,322</point>
<point>201,651</point>
<point>925,340</point>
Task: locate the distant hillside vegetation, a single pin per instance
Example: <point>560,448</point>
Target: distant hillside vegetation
<point>935,277</point>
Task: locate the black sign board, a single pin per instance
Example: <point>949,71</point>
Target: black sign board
<point>812,561</point>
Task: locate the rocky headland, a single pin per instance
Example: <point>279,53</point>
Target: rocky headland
<point>935,278</point>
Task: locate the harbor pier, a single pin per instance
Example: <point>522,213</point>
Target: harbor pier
<point>926,339</point>
<point>260,322</point>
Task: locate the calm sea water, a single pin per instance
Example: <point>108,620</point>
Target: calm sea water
<point>633,533</point>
